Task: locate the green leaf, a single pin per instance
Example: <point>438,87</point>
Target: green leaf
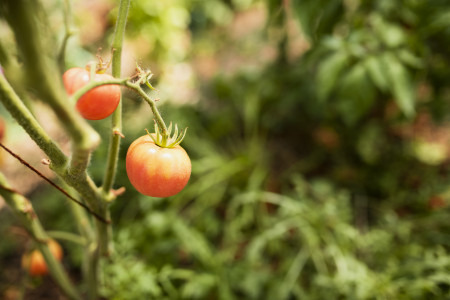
<point>377,72</point>
<point>356,94</point>
<point>329,72</point>
<point>409,58</point>
<point>400,85</point>
<point>194,242</point>
<point>391,34</point>
<point>199,286</point>
<point>318,17</point>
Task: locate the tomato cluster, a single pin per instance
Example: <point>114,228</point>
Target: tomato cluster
<point>99,102</point>
<point>34,262</point>
<point>154,169</point>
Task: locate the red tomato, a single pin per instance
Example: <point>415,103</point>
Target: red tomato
<point>98,103</point>
<point>35,262</point>
<point>155,171</point>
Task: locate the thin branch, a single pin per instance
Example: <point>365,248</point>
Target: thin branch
<point>26,164</point>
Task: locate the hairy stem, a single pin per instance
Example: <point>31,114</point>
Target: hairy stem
<point>23,116</point>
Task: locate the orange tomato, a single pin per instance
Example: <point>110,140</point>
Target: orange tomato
<point>35,262</point>
<point>156,171</point>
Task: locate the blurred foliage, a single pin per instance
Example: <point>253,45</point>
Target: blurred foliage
<point>320,155</point>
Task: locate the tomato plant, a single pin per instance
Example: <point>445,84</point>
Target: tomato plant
<point>35,263</point>
<point>157,171</point>
<point>96,104</point>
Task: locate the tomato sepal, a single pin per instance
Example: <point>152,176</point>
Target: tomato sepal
<point>167,140</point>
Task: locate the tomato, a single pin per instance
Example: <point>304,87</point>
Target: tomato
<point>35,262</point>
<point>96,104</point>
<point>156,171</point>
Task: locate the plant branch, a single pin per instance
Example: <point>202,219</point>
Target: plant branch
<point>67,236</point>
<point>22,161</point>
<point>67,34</point>
<point>29,25</point>
<point>135,86</point>
<point>58,161</point>
<point>116,121</point>
<point>23,209</point>
<point>43,77</point>
<point>20,112</point>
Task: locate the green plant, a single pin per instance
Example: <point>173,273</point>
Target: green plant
<point>318,142</point>
<point>91,203</point>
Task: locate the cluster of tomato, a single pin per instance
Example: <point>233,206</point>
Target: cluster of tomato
<point>153,170</point>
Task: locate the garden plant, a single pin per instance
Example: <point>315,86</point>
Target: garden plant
<point>277,149</point>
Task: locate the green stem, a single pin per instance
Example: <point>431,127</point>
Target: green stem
<point>67,236</point>
<point>23,209</point>
<point>152,103</point>
<point>92,84</point>
<point>92,255</point>
<point>116,121</point>
<point>127,83</point>
<point>23,116</point>
<point>28,24</point>
<point>67,34</point>
<point>80,181</point>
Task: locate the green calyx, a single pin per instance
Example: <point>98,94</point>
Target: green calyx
<point>166,139</point>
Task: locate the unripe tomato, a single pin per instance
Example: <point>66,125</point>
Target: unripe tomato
<point>155,171</point>
<point>96,104</point>
<point>35,262</point>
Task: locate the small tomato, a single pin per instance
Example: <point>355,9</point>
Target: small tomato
<point>156,171</point>
<point>35,262</point>
<point>96,104</point>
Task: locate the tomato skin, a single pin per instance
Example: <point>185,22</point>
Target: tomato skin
<point>96,104</point>
<point>35,262</point>
<point>155,171</point>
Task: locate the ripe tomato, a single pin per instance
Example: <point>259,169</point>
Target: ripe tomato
<point>98,103</point>
<point>155,171</point>
<point>35,262</point>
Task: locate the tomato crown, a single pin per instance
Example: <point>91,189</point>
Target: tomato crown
<point>101,66</point>
<point>167,140</point>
